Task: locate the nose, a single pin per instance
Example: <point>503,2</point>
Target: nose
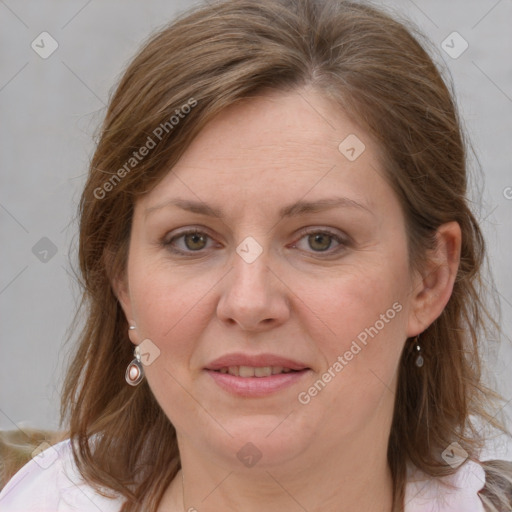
<point>254,297</point>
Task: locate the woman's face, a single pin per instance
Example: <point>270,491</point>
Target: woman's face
<point>299,263</point>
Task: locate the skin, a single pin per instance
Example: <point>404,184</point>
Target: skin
<point>298,299</point>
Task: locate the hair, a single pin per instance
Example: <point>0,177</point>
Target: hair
<point>373,67</point>
<point>17,448</point>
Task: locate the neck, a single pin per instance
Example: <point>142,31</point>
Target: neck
<point>348,481</point>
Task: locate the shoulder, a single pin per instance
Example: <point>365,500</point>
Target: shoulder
<point>498,484</point>
<point>452,493</point>
<point>51,482</point>
<point>471,488</point>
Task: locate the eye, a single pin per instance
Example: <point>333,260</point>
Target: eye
<point>322,240</point>
<point>193,241</point>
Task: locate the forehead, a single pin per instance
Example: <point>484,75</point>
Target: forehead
<point>272,148</point>
<point>302,123</point>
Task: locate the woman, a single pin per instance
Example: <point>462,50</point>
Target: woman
<point>282,280</point>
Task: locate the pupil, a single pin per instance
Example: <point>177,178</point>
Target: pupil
<point>318,238</point>
<point>195,238</point>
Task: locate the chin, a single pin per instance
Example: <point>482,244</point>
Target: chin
<point>259,441</point>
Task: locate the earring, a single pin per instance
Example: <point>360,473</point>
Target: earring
<point>419,357</point>
<point>132,327</point>
<point>135,373</point>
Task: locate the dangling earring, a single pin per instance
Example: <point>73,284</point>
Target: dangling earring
<point>419,357</point>
<point>135,372</point>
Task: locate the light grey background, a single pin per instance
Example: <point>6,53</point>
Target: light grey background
<point>50,109</point>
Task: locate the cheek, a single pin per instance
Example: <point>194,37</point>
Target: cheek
<point>360,336</point>
<point>360,305</point>
<point>171,312</point>
<point>169,308</point>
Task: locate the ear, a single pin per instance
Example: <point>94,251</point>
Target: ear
<point>434,286</point>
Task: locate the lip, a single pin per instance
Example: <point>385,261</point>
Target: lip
<point>256,361</point>
<point>255,386</point>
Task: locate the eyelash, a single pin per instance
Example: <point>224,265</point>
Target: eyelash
<point>343,242</point>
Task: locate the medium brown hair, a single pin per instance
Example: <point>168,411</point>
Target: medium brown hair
<point>374,69</point>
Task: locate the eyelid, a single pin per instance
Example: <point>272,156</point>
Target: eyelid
<point>167,241</point>
<point>185,231</point>
<point>342,239</point>
<point>329,231</point>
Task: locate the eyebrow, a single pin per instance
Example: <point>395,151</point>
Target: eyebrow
<point>296,209</point>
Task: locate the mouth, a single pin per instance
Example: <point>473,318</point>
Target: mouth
<point>251,371</point>
<point>255,376</point>
<point>259,365</point>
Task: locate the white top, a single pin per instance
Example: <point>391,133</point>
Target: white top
<point>50,482</point>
